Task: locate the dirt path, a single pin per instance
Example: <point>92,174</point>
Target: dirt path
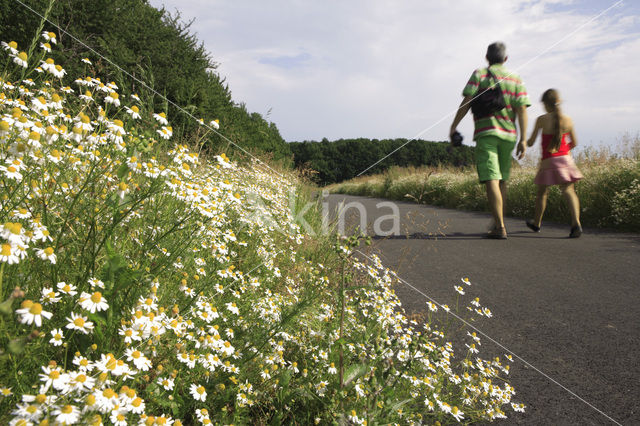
<point>569,307</point>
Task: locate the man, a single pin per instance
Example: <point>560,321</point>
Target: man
<point>496,134</point>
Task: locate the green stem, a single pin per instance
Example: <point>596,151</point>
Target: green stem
<point>1,277</point>
<point>34,41</point>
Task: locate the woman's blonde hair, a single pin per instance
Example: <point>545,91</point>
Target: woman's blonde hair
<point>551,100</point>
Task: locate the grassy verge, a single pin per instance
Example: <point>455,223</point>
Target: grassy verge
<point>609,193</point>
<point>143,283</point>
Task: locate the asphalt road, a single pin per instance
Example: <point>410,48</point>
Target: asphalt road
<point>568,307</point>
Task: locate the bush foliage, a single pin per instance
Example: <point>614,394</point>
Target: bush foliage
<point>155,47</point>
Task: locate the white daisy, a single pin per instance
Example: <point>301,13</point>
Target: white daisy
<point>93,302</point>
<point>139,360</point>
<point>198,392</point>
<point>161,118</point>
<point>57,338</point>
<point>47,254</point>
<point>69,289</point>
<point>8,254</point>
<point>31,313</point>
<point>49,295</point>
<point>80,323</point>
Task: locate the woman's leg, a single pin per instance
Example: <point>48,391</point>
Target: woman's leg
<point>569,192</point>
<point>541,204</point>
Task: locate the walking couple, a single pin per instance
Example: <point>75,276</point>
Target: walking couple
<point>496,135</point>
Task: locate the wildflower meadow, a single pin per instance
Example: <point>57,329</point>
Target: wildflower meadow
<point>142,282</point>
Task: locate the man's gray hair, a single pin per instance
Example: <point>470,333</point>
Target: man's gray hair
<point>496,53</point>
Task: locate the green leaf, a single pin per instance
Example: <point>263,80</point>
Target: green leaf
<point>5,307</point>
<point>122,171</point>
<point>285,378</point>
<point>17,346</point>
<point>354,372</point>
<point>399,404</point>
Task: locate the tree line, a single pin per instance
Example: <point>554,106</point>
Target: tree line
<point>336,161</point>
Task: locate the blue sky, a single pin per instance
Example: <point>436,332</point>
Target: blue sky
<point>392,69</point>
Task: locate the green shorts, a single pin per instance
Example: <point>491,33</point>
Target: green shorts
<point>493,158</point>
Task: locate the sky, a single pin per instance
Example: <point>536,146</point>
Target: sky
<point>396,68</point>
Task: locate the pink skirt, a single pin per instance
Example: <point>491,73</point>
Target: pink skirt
<point>557,170</point>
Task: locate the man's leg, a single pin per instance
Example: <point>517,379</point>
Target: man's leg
<point>505,159</point>
<point>488,168</point>
<point>494,196</point>
<point>503,192</point>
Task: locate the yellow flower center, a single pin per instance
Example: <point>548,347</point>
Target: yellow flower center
<point>54,374</point>
<point>200,390</point>
<point>96,297</point>
<point>81,378</point>
<point>67,409</point>
<point>49,251</point>
<point>6,250</point>
<point>136,354</point>
<point>112,364</point>
<point>79,322</point>
<point>108,393</point>
<point>23,56</point>
<point>35,309</point>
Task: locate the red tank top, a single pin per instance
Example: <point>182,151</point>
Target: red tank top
<point>563,150</point>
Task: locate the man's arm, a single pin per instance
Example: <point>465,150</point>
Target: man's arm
<point>462,111</point>
<point>521,114</point>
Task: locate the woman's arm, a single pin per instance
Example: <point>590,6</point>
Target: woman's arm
<point>572,135</point>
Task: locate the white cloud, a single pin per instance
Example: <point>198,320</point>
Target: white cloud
<point>382,69</point>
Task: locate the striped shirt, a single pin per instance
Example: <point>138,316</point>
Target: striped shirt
<point>502,123</point>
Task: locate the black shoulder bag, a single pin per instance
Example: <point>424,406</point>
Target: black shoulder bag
<point>489,101</point>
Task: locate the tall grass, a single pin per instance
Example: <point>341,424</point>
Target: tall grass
<point>609,193</point>
<point>143,283</point>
